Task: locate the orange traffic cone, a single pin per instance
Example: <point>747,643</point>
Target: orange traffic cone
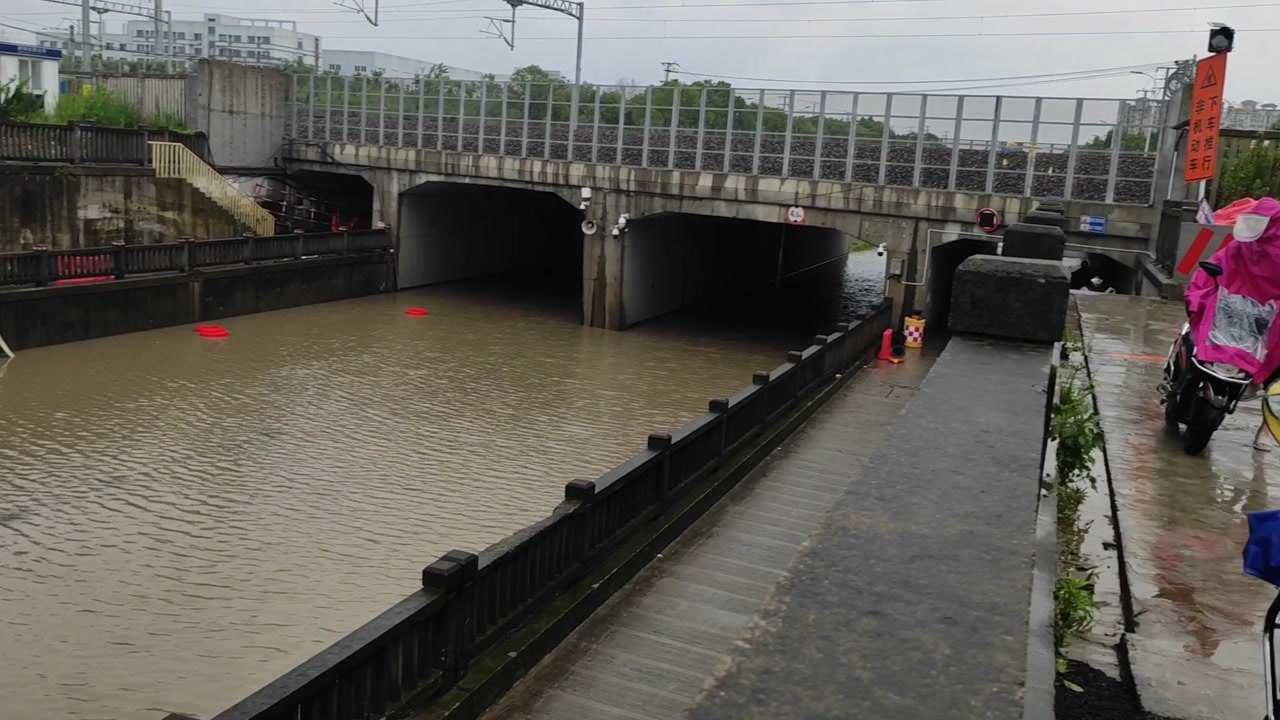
<point>886,347</point>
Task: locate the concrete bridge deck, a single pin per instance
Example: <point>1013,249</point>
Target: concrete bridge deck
<point>849,576</point>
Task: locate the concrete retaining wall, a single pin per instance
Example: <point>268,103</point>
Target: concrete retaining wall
<point>47,316</point>
<point>71,207</point>
<point>242,109</point>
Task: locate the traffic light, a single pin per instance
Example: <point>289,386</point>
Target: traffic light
<point>1221,39</point>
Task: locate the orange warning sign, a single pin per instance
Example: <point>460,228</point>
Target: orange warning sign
<point>1206,112</point>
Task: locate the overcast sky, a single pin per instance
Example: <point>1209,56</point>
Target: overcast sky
<point>629,38</point>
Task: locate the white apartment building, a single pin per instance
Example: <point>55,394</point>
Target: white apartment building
<point>24,62</point>
<point>1251,115</point>
<point>370,62</point>
<point>252,41</point>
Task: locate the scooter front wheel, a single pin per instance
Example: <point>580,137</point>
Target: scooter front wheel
<point>1202,421</point>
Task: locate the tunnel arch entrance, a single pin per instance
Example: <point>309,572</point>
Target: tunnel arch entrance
<point>457,231</point>
<point>674,260</point>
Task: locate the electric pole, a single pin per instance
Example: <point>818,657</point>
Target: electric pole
<point>669,67</point>
<point>85,51</point>
<point>158,28</point>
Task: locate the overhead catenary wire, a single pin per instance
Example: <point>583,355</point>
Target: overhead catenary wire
<point>1120,68</point>
<point>470,14</point>
<point>819,36</point>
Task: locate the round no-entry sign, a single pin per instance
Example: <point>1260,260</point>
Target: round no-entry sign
<point>988,220</point>
<point>796,215</point>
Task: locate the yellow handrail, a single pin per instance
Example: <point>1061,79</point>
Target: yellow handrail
<point>174,160</point>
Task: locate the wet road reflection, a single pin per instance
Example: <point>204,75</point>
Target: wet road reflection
<point>182,520</point>
<point>1182,518</point>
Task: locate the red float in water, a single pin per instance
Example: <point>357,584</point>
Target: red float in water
<point>212,331</point>
<point>416,311</point>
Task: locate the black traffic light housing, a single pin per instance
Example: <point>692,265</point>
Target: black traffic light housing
<point>1221,39</point>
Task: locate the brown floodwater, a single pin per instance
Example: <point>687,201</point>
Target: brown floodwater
<point>184,519</point>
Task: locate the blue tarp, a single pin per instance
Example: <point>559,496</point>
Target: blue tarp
<point>1262,552</point>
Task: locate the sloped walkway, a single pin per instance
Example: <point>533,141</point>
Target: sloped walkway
<point>654,648</point>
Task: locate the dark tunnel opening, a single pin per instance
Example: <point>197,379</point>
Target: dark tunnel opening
<point>314,201</point>
<point>514,237</point>
<point>738,272</point>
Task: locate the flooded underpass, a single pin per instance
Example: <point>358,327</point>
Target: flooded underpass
<point>182,520</point>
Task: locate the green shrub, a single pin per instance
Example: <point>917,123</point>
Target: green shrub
<point>1255,174</point>
<point>168,121</point>
<point>18,104</point>
<point>95,106</point>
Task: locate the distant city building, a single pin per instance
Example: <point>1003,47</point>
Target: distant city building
<point>371,62</point>
<point>250,41</point>
<point>1142,112</point>
<point>1250,115</point>
<point>23,61</point>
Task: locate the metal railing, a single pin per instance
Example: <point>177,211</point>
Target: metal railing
<point>42,266</point>
<point>174,160</point>
<point>468,602</point>
<point>1070,148</point>
<point>78,143</point>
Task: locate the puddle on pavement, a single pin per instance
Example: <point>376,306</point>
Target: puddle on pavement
<point>1182,517</point>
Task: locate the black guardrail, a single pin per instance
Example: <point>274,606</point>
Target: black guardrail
<point>78,143</point>
<point>42,266</point>
<point>469,602</point>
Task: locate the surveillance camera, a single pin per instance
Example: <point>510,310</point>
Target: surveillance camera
<point>586,194</point>
<point>881,249</point>
<point>615,232</point>
<point>622,220</point>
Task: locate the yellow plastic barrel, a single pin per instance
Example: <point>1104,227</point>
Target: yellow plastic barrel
<point>914,331</point>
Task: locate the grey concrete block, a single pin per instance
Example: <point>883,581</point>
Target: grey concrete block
<point>1043,217</point>
<point>1039,242</point>
<point>1053,206</point>
<point>1017,298</point>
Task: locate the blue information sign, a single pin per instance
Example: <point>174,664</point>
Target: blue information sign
<point>34,51</point>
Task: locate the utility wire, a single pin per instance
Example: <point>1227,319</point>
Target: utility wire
<point>1121,68</point>
<point>814,36</point>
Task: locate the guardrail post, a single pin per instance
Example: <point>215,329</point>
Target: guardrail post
<point>117,258</point>
<point>185,242</point>
<point>661,442</point>
<point>584,528</point>
<point>248,248</point>
<point>75,139</point>
<point>43,271</point>
<point>297,244</point>
<point>452,574</point>
<point>346,239</point>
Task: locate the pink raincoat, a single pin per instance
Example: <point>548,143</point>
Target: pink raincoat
<point>1235,320</point>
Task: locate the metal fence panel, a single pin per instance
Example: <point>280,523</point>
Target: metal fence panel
<point>1070,148</point>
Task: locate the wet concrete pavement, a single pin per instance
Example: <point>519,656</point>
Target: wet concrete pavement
<point>913,601</point>
<point>1195,653</point>
<point>651,650</point>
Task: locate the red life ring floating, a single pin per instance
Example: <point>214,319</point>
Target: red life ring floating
<point>416,312</point>
<point>212,331</point>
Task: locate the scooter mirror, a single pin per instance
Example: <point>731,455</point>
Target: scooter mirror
<point>1213,270</point>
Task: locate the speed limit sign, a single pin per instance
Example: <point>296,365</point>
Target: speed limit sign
<point>796,215</point>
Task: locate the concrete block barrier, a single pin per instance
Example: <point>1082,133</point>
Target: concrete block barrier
<point>1015,298</point>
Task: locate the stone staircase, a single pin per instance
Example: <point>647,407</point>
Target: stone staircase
<point>174,160</point>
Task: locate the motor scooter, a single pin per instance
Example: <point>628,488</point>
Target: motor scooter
<point>1199,394</point>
